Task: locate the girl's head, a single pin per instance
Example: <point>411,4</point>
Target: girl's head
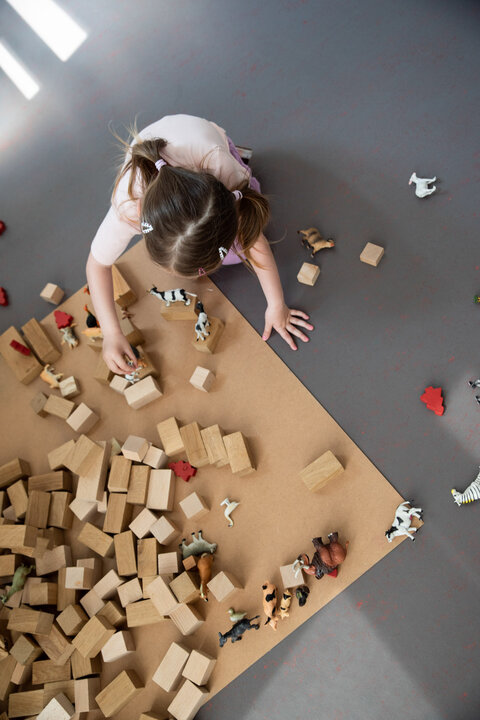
<point>194,217</point>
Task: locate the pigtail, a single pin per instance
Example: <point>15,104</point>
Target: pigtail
<point>253,216</point>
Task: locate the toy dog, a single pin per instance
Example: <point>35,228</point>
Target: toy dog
<point>237,630</point>
<point>270,604</point>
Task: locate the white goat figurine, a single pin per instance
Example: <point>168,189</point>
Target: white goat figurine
<point>403,520</point>
<point>229,509</point>
<point>422,189</point>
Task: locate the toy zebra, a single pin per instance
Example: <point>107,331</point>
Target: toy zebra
<point>471,493</point>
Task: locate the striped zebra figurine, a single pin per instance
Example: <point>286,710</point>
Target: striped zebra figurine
<point>471,493</point>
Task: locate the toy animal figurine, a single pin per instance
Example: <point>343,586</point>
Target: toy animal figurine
<point>93,330</point>
<point>197,546</point>
<point>422,189</point>
<point>51,377</point>
<point>285,604</point>
<point>235,616</point>
<point>171,296</point>
<point>237,630</point>
<point>325,560</point>
<point>312,239</point>
<point>68,336</point>
<point>229,509</point>
<point>204,567</point>
<point>403,520</point>
<point>3,297</point>
<point>471,493</point>
<point>475,384</point>
<point>183,469</point>
<point>301,593</point>
<point>91,320</point>
<point>202,322</point>
<point>62,319</point>
<point>18,581</point>
<point>303,563</point>
<point>270,604</point>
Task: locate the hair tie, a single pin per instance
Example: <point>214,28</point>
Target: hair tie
<point>201,271</point>
<point>146,227</point>
<point>222,252</point>
<point>238,194</point>
<point>160,163</point>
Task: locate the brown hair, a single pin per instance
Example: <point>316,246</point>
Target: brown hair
<point>192,214</point>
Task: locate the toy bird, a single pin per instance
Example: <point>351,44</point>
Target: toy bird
<point>236,616</point>
<point>229,509</point>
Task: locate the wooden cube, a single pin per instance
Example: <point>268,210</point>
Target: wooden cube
<point>55,645</point>
<point>161,490</point>
<point>53,560</point>
<point>17,494</point>
<point>79,578</point>
<point>21,675</point>
<point>59,708</point>
<point>37,403</point>
<point>193,443</point>
<point>202,379</point>
<point>52,293</point>
<point>188,701</point>
<point>102,373</point>
<point>130,592</point>
<point>86,689</point>
<point>72,619</point>
<point>213,440</point>
<point>215,330</point>
<point>168,563</point>
<point>60,515</point>
<point>321,471</point>
<point>185,588</point>
<point>25,650</point>
<point>186,619</point>
<point>372,254</point>
<point>223,585</point>
<point>142,393</point>
<point>189,563</point>
<point>156,458</point>
<point>143,523</point>
<point>288,577</point>
<point>69,387</point>
<point>238,455</point>
<point>161,596</point>
<point>37,508</point>
<point>106,587</point>
<point>193,506</point>
<point>143,613</point>
<point>8,564</point>
<point>118,693</point>
<point>92,603</point>
<point>120,645</point>
<point>84,510</point>
<point>146,557</point>
<point>112,612</point>
<point>135,448</point>
<point>170,437</point>
<point>119,384</point>
<point>59,406</point>
<point>164,531</point>
<point>169,673</point>
<point>119,476</point>
<point>96,540</point>
<point>82,419</point>
<point>82,667</point>
<point>308,274</point>
<point>44,593</point>
<point>138,485</point>
<point>57,457</point>
<point>85,453</point>
<point>118,514</point>
<point>93,636</point>
<point>199,667</point>
<point>125,553</point>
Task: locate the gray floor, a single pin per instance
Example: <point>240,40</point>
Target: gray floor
<point>341,101</point>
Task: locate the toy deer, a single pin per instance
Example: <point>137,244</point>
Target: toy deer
<point>49,376</point>
<point>422,189</point>
<point>229,509</point>
<point>312,239</point>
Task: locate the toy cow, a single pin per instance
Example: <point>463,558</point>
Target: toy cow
<point>171,296</point>
<point>403,521</point>
<point>312,239</point>
<point>270,604</point>
<point>202,322</point>
<point>198,546</point>
<point>237,630</point>
<point>49,376</point>
<point>204,567</point>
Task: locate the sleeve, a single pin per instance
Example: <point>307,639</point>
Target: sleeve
<point>220,163</point>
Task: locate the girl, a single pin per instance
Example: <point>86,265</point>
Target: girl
<point>184,186</point>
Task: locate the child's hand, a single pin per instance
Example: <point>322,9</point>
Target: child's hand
<point>115,350</point>
<point>285,321</point>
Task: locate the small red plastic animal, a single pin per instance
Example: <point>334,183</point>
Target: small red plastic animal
<point>183,469</point>
<point>3,297</point>
<point>62,319</point>
<point>432,397</point>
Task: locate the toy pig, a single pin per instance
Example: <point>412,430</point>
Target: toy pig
<point>204,567</point>
<point>270,604</point>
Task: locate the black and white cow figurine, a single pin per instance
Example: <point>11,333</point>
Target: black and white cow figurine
<point>171,296</point>
<point>403,521</point>
<point>202,322</point>
<point>237,630</point>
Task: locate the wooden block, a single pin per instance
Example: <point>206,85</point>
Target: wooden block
<point>133,335</point>
<point>72,619</point>
<point>57,457</point>
<point>84,510</point>
<point>44,671</point>
<point>58,480</point>
<point>17,494</point>
<point>53,560</point>
<point>213,440</point>
<point>202,379</point>
<point>143,523</point>
<point>81,667</point>
<point>102,373</point>
<point>125,687</point>
<point>193,506</point>
<point>321,471</point>
<point>164,531</point>
<point>91,485</point>
<point>142,393</point>
<point>52,293</point>
<point>119,384</point>
<point>25,650</point>
<point>119,476</point>
<point>96,540</point>
<point>124,553</point>
<point>60,514</point>
<point>55,645</point>
<point>146,582</point>
<point>168,563</point>
<point>79,578</point>
<point>65,596</point>
<point>199,667</point>
<point>161,490</point>
<point>156,458</point>
<point>138,485</point>
<point>59,708</point>
<point>185,588</point>
<point>13,470</point>
<point>372,254</point>
<point>130,592</point>
<point>147,557</point>
<point>308,274</point>
<point>210,343</point>
<point>122,292</point>
<point>170,437</point>
<point>179,310</point>
<point>25,703</point>
<point>25,367</point>
<point>12,536</point>
<point>223,585</point>
<point>106,587</point>
<point>188,701</point>
<point>120,645</point>
<point>189,563</point>
<point>238,455</point>
<point>44,593</point>
<point>82,419</point>
<point>26,588</point>
<point>118,514</point>
<point>93,636</point>
<point>22,674</point>
<point>95,564</point>
<point>143,716</point>
<point>69,387</point>
<point>113,613</point>
<point>193,443</point>
<point>37,403</point>
<point>59,406</point>
<point>161,596</point>
<point>8,564</point>
<point>41,344</point>
<point>52,689</point>
<point>142,613</point>
<point>84,455</point>
<point>37,508</point>
<point>288,577</point>
<point>85,691</point>
<point>169,673</point>
<point>7,668</point>
<point>135,448</point>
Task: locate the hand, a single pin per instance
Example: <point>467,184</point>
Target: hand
<point>286,322</point>
<point>115,348</point>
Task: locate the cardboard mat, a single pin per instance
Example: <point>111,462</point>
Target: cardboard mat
<point>286,429</point>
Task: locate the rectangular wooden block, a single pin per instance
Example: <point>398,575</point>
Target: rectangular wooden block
<point>96,540</point>
<point>210,343</point>
<point>372,254</point>
<point>102,373</point>
<point>91,484</point>
<point>44,593</point>
<point>118,513</point>
<point>142,613</point>
<point>120,645</point>
<point>72,619</point>
<point>168,563</point>
<point>147,550</point>
<point>118,693</point>
<point>161,596</point>
<point>86,690</point>
<point>169,673</point>
<point>14,536</point>
<point>84,455</point>
<point>59,406</point>
<point>17,494</point>
<point>44,671</point>
<point>186,619</point>
<point>308,274</point>
<point>199,667</point>
<point>193,443</point>
<point>156,458</point>
<point>185,587</point>
<point>22,674</point>
<point>37,508</point>
<point>8,564</point>
<point>58,480</point>
<point>170,436</point>
<point>179,310</point>
<point>93,636</point>
<point>161,490</point>
<point>119,475</point>
<point>37,337</point>
<point>84,510</point>
<point>142,393</point>
<point>13,470</point>
<point>119,384</point>
<point>164,530</point>
<point>193,506</point>
<point>53,560</point>
<point>321,471</point>
<point>78,578</point>
<point>143,523</point>
<point>112,612</point>
<point>58,456</point>
<point>69,387</point>
<point>213,440</point>
<point>65,596</point>
<point>133,335</point>
<point>238,455</point>
<point>25,650</point>
<point>202,379</point>
<point>107,586</point>
<point>125,553</point>
<point>59,708</point>
<point>82,419</point>
<point>22,704</point>
<point>188,701</point>
<point>25,367</point>
<point>60,514</point>
<point>130,592</point>
<point>288,577</point>
<point>122,292</point>
<point>82,667</point>
<point>222,585</point>
<point>37,403</point>
<point>53,689</point>
<point>55,645</point>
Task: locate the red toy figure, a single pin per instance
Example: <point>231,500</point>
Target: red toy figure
<point>19,347</point>
<point>3,297</point>
<point>433,399</point>
<point>183,469</point>
<point>3,227</point>
<point>62,319</point>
